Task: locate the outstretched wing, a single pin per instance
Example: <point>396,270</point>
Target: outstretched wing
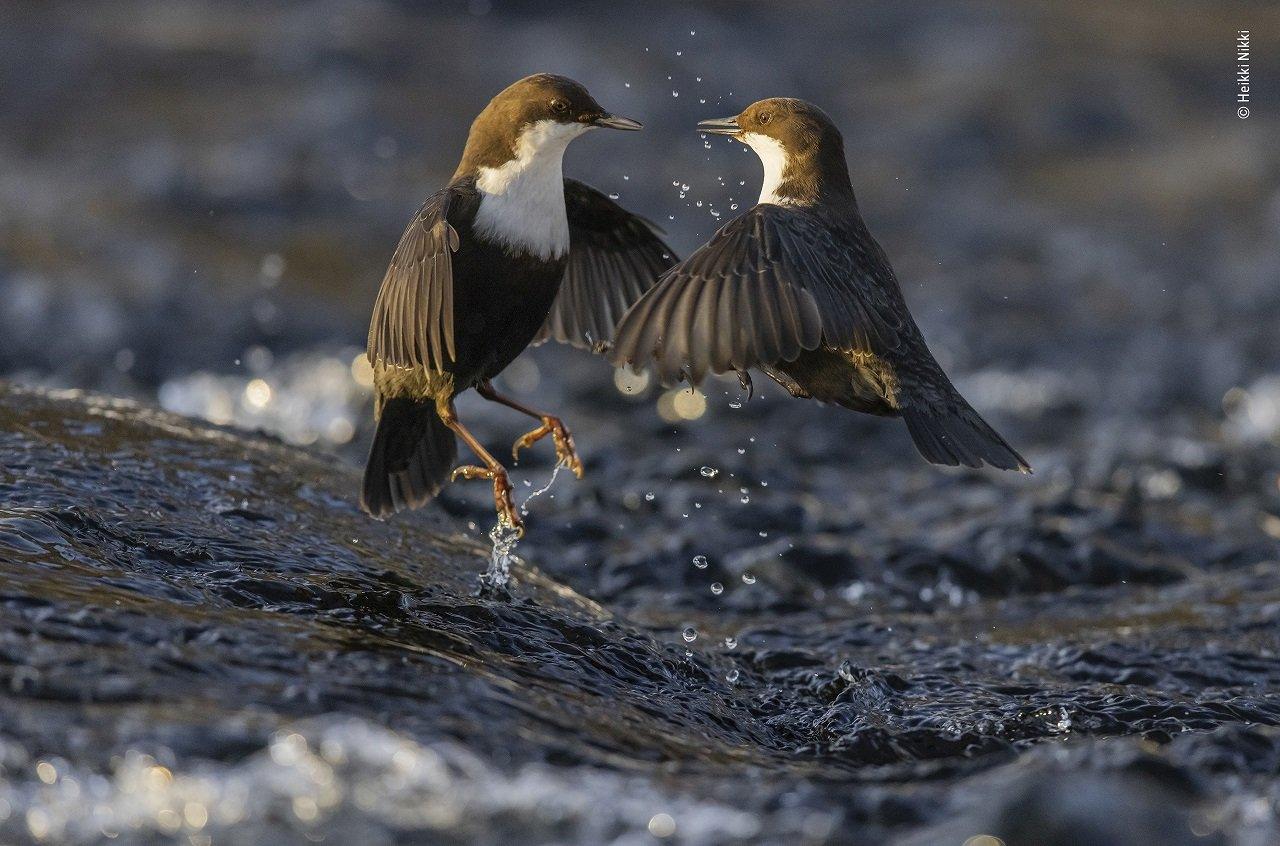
<point>412,323</point>
<point>769,284</point>
<point>614,257</point>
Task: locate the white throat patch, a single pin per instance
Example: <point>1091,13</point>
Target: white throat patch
<point>774,158</point>
<point>522,202</point>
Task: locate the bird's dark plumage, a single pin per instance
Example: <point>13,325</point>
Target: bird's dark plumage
<point>614,257</point>
<point>508,252</point>
<point>412,323</point>
<point>799,289</point>
<point>412,454</point>
<point>768,285</point>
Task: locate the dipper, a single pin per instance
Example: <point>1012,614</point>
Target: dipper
<point>797,288</point>
<point>507,253</point>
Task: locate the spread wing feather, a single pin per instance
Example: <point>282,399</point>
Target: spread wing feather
<point>770,284</point>
<point>412,324</point>
<point>614,257</point>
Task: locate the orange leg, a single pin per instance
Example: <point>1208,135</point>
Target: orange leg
<point>552,426</point>
<point>492,470</point>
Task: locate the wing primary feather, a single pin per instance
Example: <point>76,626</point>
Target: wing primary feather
<point>614,258</point>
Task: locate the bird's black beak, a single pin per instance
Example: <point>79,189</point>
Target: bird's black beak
<point>720,126</point>
<point>617,122</point>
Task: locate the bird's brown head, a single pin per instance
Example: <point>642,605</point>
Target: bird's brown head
<point>800,146</point>
<point>544,110</point>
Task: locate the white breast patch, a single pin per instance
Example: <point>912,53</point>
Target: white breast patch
<point>774,158</point>
<point>522,202</point>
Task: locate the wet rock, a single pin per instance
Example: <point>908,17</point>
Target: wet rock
<point>178,595</point>
<point>1079,810</point>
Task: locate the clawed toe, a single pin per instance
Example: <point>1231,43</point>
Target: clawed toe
<point>565,452</point>
<point>504,504</point>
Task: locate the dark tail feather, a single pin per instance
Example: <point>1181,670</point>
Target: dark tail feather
<point>412,455</point>
<point>960,436</point>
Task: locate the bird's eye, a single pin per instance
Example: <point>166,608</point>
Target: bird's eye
<point>559,106</point>
<point>763,118</point>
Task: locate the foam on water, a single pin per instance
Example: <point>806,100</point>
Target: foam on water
<point>350,780</point>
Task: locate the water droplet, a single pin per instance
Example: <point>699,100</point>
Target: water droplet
<point>717,588</point>
<point>684,186</point>
<point>648,497</point>
<point>741,451</point>
<point>675,93</point>
<point>736,404</point>
<point>746,497</point>
<point>690,634</point>
<point>730,642</point>
<point>614,196</point>
<point>733,207</point>
<point>709,472</point>
<point>749,578</point>
<point>732,676</point>
<point>700,561</point>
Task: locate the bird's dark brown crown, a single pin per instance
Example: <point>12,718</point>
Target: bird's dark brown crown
<point>542,96</point>
<point>815,164</point>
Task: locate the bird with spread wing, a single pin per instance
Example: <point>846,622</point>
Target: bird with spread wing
<point>510,252</point>
<point>798,289</point>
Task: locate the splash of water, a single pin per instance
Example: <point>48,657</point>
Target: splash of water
<point>524,506</point>
<point>505,539</point>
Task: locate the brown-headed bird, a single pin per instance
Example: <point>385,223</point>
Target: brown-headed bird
<point>508,252</point>
<point>797,288</point>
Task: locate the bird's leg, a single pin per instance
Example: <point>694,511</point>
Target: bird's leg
<point>552,426</point>
<point>491,470</point>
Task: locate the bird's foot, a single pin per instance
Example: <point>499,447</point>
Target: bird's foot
<point>508,514</point>
<point>565,452</point>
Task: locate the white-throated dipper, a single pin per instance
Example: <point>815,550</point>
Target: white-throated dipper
<point>797,288</point>
<point>508,252</point>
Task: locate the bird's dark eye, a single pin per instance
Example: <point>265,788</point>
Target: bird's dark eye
<point>763,118</point>
<point>559,106</point>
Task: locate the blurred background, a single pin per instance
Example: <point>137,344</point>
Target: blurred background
<point>198,199</point>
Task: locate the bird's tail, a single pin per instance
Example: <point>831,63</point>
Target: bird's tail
<point>956,434</point>
<point>412,455</point>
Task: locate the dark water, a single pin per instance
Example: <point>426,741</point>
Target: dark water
<point>203,637</point>
<point>204,642</point>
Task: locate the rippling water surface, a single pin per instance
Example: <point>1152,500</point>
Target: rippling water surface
<point>203,637</point>
<point>754,621</point>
